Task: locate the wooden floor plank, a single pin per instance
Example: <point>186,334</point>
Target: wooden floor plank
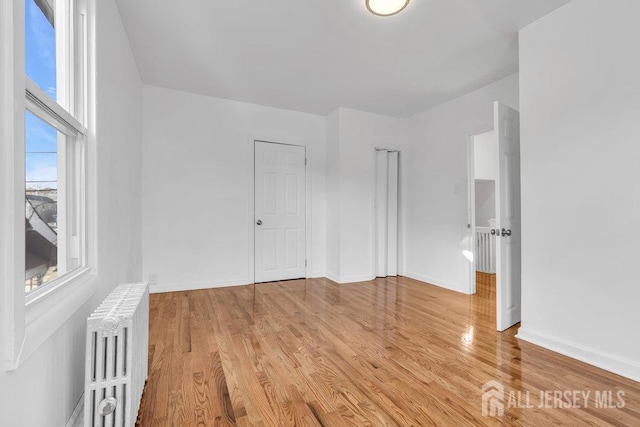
<point>392,351</point>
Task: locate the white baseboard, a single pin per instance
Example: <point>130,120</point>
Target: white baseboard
<point>356,278</point>
<point>176,287</point>
<point>609,362</point>
<point>77,417</point>
<point>333,277</point>
<point>435,282</point>
<point>349,279</point>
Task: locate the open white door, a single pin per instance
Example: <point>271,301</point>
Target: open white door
<point>279,212</point>
<point>508,232</point>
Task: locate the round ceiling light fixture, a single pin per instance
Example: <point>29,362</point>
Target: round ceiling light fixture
<point>386,7</point>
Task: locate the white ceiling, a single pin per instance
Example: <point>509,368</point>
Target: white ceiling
<point>318,55</point>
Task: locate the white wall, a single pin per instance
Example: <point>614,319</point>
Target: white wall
<point>436,167</point>
<point>484,151</point>
<point>333,196</point>
<point>484,170</point>
<point>580,182</point>
<point>353,138</point>
<point>196,174</point>
<point>46,387</point>
<point>485,202</point>
<point>196,186</point>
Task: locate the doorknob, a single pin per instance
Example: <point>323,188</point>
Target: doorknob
<point>506,232</point>
<point>493,231</point>
<point>259,222</point>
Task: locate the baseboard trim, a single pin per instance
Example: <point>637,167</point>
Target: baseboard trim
<point>343,280</point>
<point>356,278</point>
<point>177,287</point>
<point>609,362</point>
<point>77,417</point>
<point>333,277</point>
<point>434,282</point>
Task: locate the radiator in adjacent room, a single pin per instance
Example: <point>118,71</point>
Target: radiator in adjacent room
<point>485,251</point>
<point>116,357</point>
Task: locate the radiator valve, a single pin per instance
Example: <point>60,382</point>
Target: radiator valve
<point>107,406</point>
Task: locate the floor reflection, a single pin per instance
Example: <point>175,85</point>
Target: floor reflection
<point>392,351</point>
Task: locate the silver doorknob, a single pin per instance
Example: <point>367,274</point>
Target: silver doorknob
<point>259,222</point>
<point>506,232</point>
<point>493,231</point>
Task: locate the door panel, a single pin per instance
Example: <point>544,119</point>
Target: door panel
<point>291,192</point>
<point>508,239</point>
<point>269,243</point>
<point>291,248</point>
<point>280,221</point>
<point>269,183</point>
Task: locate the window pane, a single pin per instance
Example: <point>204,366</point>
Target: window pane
<point>41,201</point>
<point>40,44</point>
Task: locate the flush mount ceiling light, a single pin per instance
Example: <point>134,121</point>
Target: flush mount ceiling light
<point>386,7</point>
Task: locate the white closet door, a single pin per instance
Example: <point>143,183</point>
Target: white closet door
<point>382,182</point>
<point>392,215</point>
<point>386,213</point>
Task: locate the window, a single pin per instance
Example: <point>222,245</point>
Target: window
<point>54,187</point>
<point>47,267</point>
<point>40,44</point>
<point>55,140</point>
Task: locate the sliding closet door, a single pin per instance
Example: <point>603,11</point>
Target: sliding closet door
<point>392,215</point>
<point>382,183</point>
<point>386,213</point>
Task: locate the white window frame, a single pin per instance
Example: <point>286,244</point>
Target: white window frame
<point>39,103</point>
<point>27,321</point>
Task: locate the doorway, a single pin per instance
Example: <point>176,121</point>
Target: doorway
<point>386,212</point>
<point>483,188</point>
<point>494,214</point>
<point>279,211</point>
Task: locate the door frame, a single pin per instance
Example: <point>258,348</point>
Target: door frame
<point>276,139</point>
<point>471,205</point>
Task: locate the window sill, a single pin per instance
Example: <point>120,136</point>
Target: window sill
<point>47,311</point>
<point>40,296</point>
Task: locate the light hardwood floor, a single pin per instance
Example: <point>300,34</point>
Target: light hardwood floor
<point>388,352</point>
